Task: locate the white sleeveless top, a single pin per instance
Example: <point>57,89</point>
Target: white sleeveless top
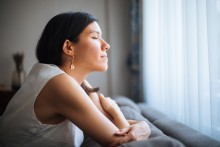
<point>19,126</point>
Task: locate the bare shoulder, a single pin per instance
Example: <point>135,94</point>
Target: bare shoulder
<point>62,92</point>
<point>64,87</point>
<point>66,98</point>
<point>47,106</point>
<point>61,80</point>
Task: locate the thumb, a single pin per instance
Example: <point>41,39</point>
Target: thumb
<point>131,122</point>
<point>123,131</point>
<point>101,97</point>
<point>125,139</point>
<point>104,99</point>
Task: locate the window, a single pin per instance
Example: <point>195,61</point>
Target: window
<point>181,67</point>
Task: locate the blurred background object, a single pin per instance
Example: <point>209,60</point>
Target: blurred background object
<point>22,22</point>
<point>18,75</point>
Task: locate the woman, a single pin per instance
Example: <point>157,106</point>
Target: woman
<point>56,103</point>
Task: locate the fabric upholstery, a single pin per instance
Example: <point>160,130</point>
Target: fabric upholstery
<point>165,132</point>
<point>125,101</point>
<point>177,130</point>
<point>131,111</point>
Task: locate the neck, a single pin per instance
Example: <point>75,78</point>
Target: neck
<point>77,74</point>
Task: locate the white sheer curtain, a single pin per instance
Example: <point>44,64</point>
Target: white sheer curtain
<point>181,53</point>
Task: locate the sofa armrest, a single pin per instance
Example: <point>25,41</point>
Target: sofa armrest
<point>177,130</point>
<point>157,138</point>
<point>131,111</point>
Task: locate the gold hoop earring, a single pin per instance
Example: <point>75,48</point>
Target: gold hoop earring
<point>72,65</point>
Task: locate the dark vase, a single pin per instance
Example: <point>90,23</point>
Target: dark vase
<point>18,75</point>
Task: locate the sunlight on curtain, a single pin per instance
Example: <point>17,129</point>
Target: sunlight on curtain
<point>181,45</point>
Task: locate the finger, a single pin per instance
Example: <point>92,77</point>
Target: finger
<point>131,122</point>
<point>102,98</point>
<point>122,131</point>
<point>125,139</point>
<point>101,95</point>
<point>105,103</point>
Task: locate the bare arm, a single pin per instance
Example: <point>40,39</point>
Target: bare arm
<point>136,130</point>
<point>95,98</point>
<point>63,98</point>
<point>109,108</point>
<point>112,108</point>
<point>68,99</point>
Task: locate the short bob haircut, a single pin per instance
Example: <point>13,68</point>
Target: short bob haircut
<point>60,28</point>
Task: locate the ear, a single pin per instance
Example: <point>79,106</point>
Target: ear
<point>68,47</point>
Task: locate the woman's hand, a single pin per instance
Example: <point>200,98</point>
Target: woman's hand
<point>112,109</point>
<point>136,131</point>
<point>109,105</point>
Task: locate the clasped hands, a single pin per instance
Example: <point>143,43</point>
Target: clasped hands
<point>137,130</point>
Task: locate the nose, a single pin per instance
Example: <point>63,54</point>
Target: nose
<point>105,45</point>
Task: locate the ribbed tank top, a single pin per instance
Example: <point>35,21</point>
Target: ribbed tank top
<point>19,126</point>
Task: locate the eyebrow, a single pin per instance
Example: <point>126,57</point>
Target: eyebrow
<point>96,32</point>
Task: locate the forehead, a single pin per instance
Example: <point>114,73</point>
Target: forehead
<point>93,28</point>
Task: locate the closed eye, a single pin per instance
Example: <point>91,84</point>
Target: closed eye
<point>94,37</point>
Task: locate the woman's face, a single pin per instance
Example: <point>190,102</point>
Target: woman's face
<point>90,51</point>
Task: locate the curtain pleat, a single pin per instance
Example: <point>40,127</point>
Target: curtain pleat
<point>181,66</point>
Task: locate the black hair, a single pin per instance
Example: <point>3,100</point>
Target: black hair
<point>60,28</point>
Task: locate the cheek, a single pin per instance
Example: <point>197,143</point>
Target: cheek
<point>88,50</point>
<point>87,53</point>
<point>91,49</point>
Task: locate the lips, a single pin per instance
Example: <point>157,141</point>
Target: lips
<point>104,56</point>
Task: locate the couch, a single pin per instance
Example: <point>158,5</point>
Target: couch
<point>165,132</point>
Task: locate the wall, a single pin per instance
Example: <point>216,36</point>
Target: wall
<point>119,32</point>
<point>21,23</point>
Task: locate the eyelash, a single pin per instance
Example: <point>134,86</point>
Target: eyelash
<point>94,37</point>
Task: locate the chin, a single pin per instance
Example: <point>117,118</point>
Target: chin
<point>103,69</point>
